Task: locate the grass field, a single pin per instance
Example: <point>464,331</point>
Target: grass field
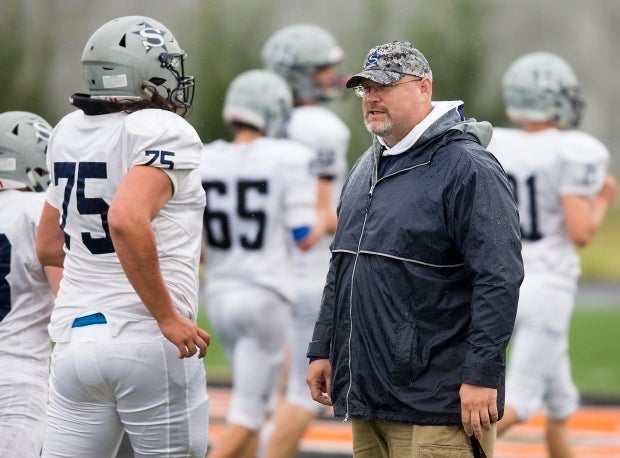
<point>600,259</point>
<point>593,349</point>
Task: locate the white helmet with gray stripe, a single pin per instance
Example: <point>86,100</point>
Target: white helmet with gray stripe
<point>540,87</point>
<point>296,51</point>
<point>133,57</point>
<point>260,99</point>
<point>23,144</point>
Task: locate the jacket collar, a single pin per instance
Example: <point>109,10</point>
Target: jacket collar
<point>444,116</point>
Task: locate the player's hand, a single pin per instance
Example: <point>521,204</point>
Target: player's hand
<point>478,409</point>
<point>187,337</point>
<point>319,381</point>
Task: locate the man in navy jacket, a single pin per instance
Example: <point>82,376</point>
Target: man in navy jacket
<point>423,284</point>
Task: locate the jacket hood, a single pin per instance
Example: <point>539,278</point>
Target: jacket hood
<point>482,130</point>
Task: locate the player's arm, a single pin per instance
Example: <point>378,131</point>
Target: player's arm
<point>305,237</point>
<point>54,275</point>
<point>50,238</point>
<point>141,195</point>
<point>301,207</point>
<point>326,219</point>
<point>584,216</point>
<point>324,206</point>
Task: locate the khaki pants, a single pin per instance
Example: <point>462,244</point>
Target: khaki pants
<point>384,439</point>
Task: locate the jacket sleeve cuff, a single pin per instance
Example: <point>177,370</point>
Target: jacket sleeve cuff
<point>318,349</point>
<point>482,373</point>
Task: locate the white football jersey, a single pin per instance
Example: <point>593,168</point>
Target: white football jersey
<point>88,156</point>
<point>325,134</point>
<point>542,167</point>
<point>26,298</point>
<point>257,193</point>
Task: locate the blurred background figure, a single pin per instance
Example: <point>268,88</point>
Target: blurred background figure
<point>26,288</point>
<point>261,198</point>
<point>307,56</point>
<point>560,180</point>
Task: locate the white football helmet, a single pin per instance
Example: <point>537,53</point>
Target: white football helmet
<point>261,99</point>
<point>23,143</point>
<point>540,87</point>
<point>133,57</point>
<point>295,52</point>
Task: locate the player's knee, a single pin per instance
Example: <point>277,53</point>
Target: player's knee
<point>250,414</point>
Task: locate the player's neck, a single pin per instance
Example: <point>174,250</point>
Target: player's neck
<point>246,136</point>
<point>538,126</point>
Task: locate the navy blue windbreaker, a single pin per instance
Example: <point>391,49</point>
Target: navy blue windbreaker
<point>422,290</point>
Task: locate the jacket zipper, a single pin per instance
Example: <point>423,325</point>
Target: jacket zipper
<point>374,183</point>
<point>359,243</point>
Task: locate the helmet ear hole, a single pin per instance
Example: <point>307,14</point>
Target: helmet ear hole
<point>122,43</point>
<point>157,81</point>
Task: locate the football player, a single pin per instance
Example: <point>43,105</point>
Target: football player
<point>307,56</point>
<point>123,213</point>
<point>261,198</point>
<point>26,288</point>
<point>563,190</point>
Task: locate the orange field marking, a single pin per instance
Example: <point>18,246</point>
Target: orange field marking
<point>595,432</point>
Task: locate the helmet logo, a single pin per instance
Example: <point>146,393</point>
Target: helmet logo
<point>373,59</point>
<point>41,130</point>
<point>152,37</point>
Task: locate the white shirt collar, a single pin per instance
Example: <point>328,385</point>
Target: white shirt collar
<point>439,109</point>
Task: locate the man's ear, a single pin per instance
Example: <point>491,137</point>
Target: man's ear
<point>426,86</point>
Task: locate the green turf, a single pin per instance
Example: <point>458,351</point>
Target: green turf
<point>216,364</point>
<point>600,259</point>
<point>594,344</point>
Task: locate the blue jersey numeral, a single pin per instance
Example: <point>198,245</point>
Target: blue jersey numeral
<point>85,205</point>
<point>5,270</point>
<point>217,222</point>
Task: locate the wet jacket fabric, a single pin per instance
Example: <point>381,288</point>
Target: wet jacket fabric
<point>422,288</point>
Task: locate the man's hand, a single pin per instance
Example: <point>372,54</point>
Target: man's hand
<point>319,380</point>
<point>188,337</point>
<point>478,409</point>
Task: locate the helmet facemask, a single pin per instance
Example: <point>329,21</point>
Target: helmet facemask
<point>183,95</point>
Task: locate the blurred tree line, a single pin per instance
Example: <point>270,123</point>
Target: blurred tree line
<point>468,43</point>
<point>221,43</point>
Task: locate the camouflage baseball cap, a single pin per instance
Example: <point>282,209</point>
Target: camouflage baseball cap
<point>387,63</point>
